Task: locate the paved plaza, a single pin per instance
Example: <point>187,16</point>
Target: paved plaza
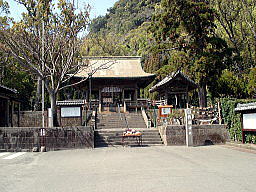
<point>134,169</point>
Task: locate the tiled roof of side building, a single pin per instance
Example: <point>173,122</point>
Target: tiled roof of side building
<point>245,107</point>
<point>71,102</point>
<point>14,91</point>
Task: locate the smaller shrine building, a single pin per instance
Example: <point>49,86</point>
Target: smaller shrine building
<point>174,89</point>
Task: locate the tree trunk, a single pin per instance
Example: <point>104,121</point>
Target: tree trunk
<point>38,94</point>
<point>202,96</point>
<point>54,119</point>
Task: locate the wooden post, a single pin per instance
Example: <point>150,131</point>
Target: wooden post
<point>187,97</point>
<point>12,111</point>
<point>166,97</point>
<point>123,96</point>
<point>136,99</point>
<point>219,112</point>
<point>176,101</point>
<point>18,114</point>
<point>7,113</point>
<point>100,100</point>
<point>124,107</point>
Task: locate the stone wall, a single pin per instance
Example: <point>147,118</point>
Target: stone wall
<point>210,134</point>
<point>17,139</point>
<point>202,134</point>
<point>29,119</point>
<point>34,119</point>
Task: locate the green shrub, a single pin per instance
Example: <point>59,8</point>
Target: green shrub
<point>232,119</point>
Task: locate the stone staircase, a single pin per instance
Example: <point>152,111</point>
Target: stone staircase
<point>113,137</point>
<point>116,120</point>
<point>110,128</point>
<point>135,120</point>
<point>111,121</point>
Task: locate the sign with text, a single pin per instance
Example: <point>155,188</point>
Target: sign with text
<point>166,111</point>
<point>70,112</point>
<point>189,133</point>
<point>249,121</point>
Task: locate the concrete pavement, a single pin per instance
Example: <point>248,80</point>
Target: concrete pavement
<point>136,169</point>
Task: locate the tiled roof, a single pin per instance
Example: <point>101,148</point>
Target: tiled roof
<point>9,89</point>
<point>245,107</point>
<point>170,78</point>
<point>71,102</point>
<point>114,67</point>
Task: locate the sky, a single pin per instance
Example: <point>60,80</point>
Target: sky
<point>99,7</point>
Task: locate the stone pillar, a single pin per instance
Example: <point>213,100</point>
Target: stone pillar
<point>189,133</point>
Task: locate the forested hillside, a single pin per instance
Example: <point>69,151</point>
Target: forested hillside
<point>211,41</point>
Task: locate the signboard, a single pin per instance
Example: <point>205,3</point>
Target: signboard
<point>249,121</point>
<point>70,112</point>
<point>166,111</point>
<point>111,89</point>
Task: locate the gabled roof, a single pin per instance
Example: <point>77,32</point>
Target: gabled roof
<point>172,79</point>
<point>245,107</point>
<point>114,67</point>
<point>7,90</point>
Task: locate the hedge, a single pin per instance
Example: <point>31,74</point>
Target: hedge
<point>233,120</point>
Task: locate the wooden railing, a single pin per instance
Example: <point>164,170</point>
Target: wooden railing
<point>209,115</point>
<point>139,103</point>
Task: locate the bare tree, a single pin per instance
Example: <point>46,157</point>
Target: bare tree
<point>47,44</point>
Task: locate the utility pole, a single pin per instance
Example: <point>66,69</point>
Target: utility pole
<point>43,125</point>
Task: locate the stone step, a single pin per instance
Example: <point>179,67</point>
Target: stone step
<point>143,130</point>
<point>113,137</point>
<point>120,135</point>
<point>116,144</point>
<point>127,143</point>
<point>127,140</point>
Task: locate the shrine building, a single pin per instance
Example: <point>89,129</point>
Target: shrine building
<point>114,83</point>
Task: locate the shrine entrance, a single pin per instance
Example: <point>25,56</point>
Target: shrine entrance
<point>110,98</point>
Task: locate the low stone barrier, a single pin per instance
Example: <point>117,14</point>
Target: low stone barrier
<point>26,138</point>
<point>34,119</point>
<point>202,134</point>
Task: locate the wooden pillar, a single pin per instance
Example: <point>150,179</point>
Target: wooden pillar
<point>7,113</point>
<point>124,107</point>
<point>166,97</point>
<point>100,107</point>
<point>136,99</point>
<point>176,101</point>
<point>187,97</point>
<point>123,96</point>
<point>12,112</point>
<point>18,114</point>
<point>87,96</point>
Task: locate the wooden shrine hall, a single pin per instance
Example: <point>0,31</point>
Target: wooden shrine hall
<point>114,82</point>
<point>174,89</point>
<point>8,103</point>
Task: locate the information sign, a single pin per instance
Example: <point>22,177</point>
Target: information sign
<point>70,112</point>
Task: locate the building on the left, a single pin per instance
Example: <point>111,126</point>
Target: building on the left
<point>9,104</point>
